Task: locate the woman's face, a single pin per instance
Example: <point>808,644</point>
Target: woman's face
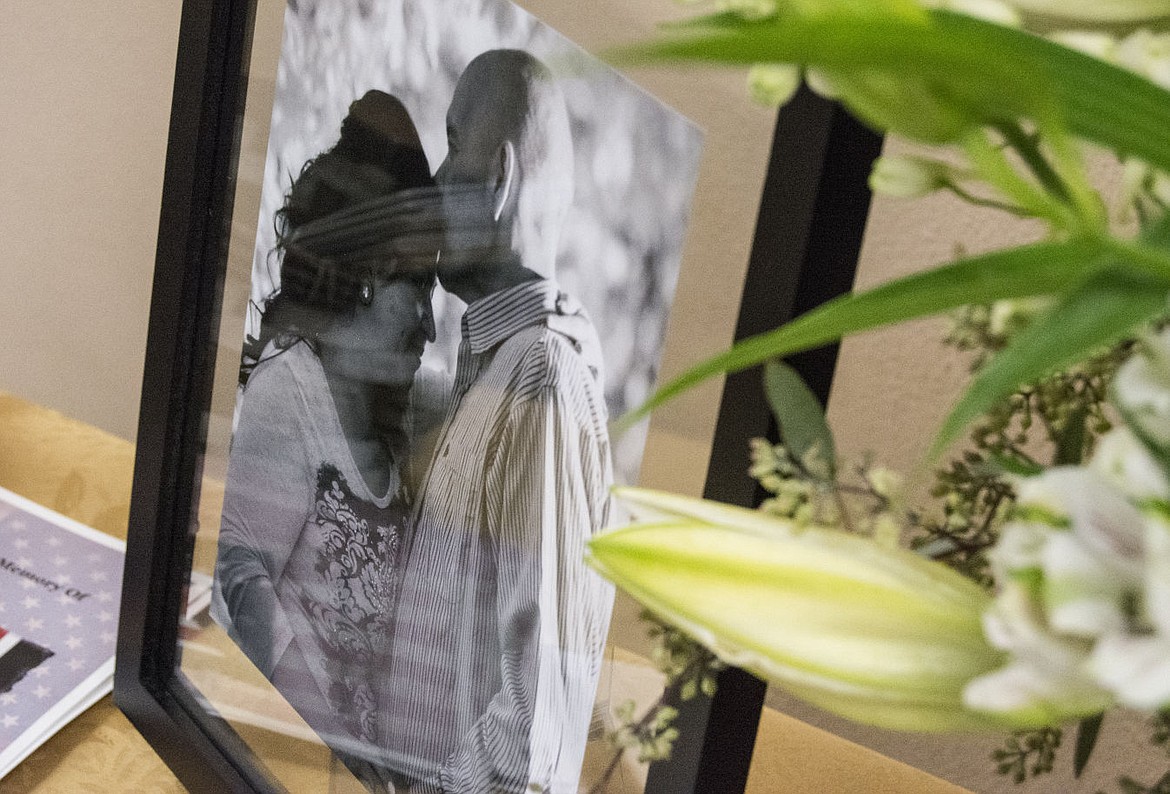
<point>382,343</point>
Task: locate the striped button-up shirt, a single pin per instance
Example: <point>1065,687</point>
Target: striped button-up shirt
<point>500,626</point>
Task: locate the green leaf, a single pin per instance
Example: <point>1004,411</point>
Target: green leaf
<point>991,72</point>
<point>1087,732</point>
<point>1104,309</point>
<point>1037,269</point>
<point>801,418</point>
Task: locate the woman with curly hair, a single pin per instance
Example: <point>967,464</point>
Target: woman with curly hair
<point>317,494</point>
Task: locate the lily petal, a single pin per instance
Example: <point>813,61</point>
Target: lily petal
<point>1081,596</point>
<point>646,504</point>
<point>1045,683</point>
<point>1136,669</point>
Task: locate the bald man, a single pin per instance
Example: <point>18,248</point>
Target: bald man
<point>500,627</point>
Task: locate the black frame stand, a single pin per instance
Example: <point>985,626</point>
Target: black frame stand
<point>811,221</point>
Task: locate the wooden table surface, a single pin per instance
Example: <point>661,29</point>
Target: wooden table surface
<point>85,473</point>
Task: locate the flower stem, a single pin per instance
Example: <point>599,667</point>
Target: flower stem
<point>1029,150</point>
<point>978,201</point>
<point>991,163</point>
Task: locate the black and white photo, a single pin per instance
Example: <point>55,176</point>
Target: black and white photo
<point>468,242</point>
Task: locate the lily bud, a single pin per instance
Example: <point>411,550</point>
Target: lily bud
<point>904,176</point>
<point>876,634</point>
<point>773,84</point>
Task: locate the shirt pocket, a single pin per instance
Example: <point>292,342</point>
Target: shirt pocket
<point>451,523</point>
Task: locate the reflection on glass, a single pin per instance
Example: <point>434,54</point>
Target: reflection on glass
<point>459,275</point>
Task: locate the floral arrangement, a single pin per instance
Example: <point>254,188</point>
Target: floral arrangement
<point>1037,592</point>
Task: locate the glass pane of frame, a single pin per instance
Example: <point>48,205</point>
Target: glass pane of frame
<point>658,274</point>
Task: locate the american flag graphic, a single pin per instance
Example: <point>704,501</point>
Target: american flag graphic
<point>17,657</point>
<point>59,612</point>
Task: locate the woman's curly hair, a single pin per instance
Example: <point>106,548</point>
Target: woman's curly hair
<point>378,154</point>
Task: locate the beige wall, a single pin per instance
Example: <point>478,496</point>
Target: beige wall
<point>84,98</point>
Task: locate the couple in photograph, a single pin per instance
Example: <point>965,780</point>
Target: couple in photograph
<point>403,557</point>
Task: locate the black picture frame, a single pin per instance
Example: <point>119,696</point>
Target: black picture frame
<point>810,224</point>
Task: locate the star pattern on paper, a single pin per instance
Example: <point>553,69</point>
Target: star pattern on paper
<point>39,603</point>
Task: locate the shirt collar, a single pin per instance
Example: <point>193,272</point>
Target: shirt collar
<point>492,319</point>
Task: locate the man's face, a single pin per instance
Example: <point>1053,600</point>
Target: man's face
<point>477,128</point>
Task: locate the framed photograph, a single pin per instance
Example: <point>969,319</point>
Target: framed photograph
<point>415,257</point>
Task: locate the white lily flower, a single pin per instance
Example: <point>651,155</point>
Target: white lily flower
<point>1097,514</point>
<point>1020,548</point>
<point>1082,597</point>
<point>1141,390</point>
<point>1136,669</point>
<point>1068,567</point>
<point>1124,461</point>
<point>1146,53</point>
<point>998,11</point>
<point>1045,682</point>
<point>1135,664</point>
<point>1157,579</point>
<point>1090,42</point>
